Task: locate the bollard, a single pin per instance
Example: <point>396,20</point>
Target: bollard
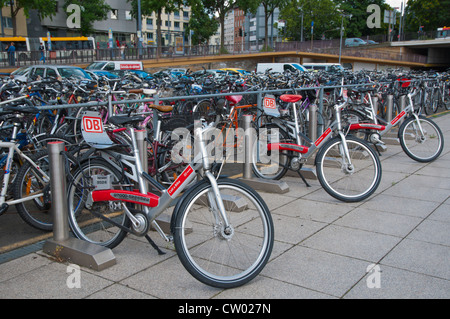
<point>59,202</point>
<point>375,108</point>
<point>389,107</point>
<point>248,143</point>
<point>257,183</point>
<point>312,122</point>
<point>402,105</point>
<point>62,246</point>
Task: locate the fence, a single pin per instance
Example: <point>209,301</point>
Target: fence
<point>26,58</point>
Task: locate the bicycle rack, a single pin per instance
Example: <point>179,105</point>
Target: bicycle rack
<point>63,247</point>
<point>258,184</point>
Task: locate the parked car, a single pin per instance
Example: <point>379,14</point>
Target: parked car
<point>213,72</point>
<point>354,42</point>
<point>279,67</point>
<point>174,72</point>
<point>236,71</point>
<point>322,66</point>
<point>371,42</point>
<point>30,73</point>
<point>115,65</point>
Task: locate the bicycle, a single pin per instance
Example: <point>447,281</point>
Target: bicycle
<point>31,182</point>
<point>219,243</point>
<point>347,167</point>
<point>420,138</point>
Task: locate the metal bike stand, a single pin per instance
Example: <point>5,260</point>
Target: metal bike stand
<point>258,184</point>
<point>62,247</point>
<point>307,172</point>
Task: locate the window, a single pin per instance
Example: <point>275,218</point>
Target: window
<point>177,24</point>
<point>109,67</point>
<point>7,22</point>
<point>185,14</point>
<point>128,15</point>
<point>114,14</point>
<point>149,21</point>
<point>51,72</point>
<point>38,72</point>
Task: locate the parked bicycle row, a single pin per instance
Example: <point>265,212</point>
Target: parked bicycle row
<point>104,164</point>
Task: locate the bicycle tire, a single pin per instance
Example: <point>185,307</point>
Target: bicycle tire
<point>264,156</point>
<point>83,223</point>
<point>36,212</point>
<point>348,186</point>
<point>414,146</point>
<point>246,248</point>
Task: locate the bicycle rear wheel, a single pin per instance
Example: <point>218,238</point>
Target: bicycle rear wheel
<point>219,257</point>
<point>420,147</point>
<point>348,183</point>
<point>270,164</point>
<point>87,224</point>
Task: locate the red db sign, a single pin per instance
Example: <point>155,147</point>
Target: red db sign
<point>92,124</point>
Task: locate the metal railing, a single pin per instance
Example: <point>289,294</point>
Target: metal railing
<point>26,58</point>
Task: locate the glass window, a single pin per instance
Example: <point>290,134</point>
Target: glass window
<point>51,72</point>
<point>114,14</point>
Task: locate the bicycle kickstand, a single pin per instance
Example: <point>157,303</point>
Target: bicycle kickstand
<point>303,178</point>
<point>160,252</point>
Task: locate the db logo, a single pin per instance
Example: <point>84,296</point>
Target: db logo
<point>269,103</point>
<point>92,124</point>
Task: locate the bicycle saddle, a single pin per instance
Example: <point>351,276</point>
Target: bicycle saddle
<point>161,108</point>
<point>123,120</point>
<point>234,98</point>
<point>143,91</point>
<point>290,98</point>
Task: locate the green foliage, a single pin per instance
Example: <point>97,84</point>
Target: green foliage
<point>322,12</point>
<point>93,11</point>
<point>431,14</point>
<point>201,23</point>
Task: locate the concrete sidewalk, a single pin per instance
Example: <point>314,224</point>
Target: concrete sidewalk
<point>323,248</point>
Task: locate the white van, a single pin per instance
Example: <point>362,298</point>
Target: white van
<point>278,67</point>
<point>115,65</point>
<point>322,66</point>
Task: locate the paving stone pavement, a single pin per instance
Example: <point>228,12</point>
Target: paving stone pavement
<point>323,248</point>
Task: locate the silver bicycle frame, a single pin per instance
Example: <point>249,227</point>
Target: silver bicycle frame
<point>12,149</point>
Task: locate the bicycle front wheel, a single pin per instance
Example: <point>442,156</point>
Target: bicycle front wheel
<point>94,225</point>
<point>422,140</point>
<point>30,182</point>
<point>219,256</point>
<point>348,182</point>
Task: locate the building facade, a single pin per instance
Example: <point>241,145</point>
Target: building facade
<point>173,27</point>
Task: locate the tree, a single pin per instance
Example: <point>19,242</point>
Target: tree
<point>358,9</point>
<point>91,11</point>
<point>45,8</point>
<point>269,8</point>
<point>221,8</point>
<point>431,14</point>
<point>201,23</point>
<point>157,6</point>
<point>323,13</point>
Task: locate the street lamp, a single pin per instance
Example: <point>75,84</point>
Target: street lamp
<point>349,16</point>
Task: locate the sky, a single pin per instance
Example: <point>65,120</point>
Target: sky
<point>395,3</point>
